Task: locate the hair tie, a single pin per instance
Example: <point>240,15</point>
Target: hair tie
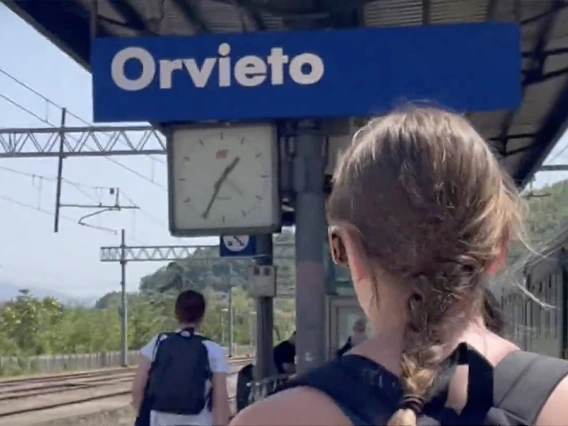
<point>412,402</point>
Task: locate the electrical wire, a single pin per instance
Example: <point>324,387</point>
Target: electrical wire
<point>43,120</point>
<point>49,101</point>
<point>79,186</point>
<point>558,154</point>
<point>145,213</point>
<point>53,178</point>
<point>36,208</point>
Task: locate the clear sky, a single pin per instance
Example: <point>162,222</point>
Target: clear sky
<point>32,254</point>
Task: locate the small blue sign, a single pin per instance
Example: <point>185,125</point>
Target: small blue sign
<point>237,246</point>
<point>266,75</point>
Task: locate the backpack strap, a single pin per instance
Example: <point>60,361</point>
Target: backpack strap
<point>332,381</point>
<point>524,381</point>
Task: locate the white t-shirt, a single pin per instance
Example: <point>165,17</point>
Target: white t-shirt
<point>218,363</point>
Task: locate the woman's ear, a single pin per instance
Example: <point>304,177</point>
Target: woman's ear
<point>358,266</point>
<point>497,264</point>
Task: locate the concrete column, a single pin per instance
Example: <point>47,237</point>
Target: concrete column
<point>308,179</point>
<point>264,366</point>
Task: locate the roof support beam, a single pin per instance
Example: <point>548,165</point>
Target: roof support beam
<point>253,12</point>
<point>535,79</point>
<point>552,129</point>
<point>538,57</point>
<point>129,14</point>
<point>191,15</point>
<point>426,11</point>
<point>491,10</point>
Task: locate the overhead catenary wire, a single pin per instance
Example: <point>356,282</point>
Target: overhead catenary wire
<point>46,121</point>
<point>140,175</point>
<point>50,102</point>
<point>36,208</point>
<point>79,186</point>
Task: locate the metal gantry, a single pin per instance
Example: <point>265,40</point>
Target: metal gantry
<point>177,252</point>
<point>91,141</point>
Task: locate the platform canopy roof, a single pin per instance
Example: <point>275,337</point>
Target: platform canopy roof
<point>522,138</point>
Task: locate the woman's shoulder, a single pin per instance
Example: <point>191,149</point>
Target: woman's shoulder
<point>299,406</point>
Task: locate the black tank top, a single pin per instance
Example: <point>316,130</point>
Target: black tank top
<point>512,393</point>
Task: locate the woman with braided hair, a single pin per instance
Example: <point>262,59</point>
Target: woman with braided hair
<point>422,215</point>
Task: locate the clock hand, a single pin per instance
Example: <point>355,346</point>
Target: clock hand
<point>218,184</point>
<point>233,185</point>
<point>239,240</point>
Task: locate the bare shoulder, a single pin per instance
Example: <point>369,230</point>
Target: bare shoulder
<point>300,406</point>
<point>555,411</point>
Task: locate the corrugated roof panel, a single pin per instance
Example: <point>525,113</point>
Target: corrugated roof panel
<point>502,10</point>
<point>272,22</point>
<point>385,13</point>
<point>488,123</point>
<point>222,17</point>
<point>449,11</point>
<point>537,100</point>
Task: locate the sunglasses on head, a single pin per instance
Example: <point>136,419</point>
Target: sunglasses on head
<point>337,248</point>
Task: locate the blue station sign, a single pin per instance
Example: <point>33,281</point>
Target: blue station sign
<point>256,76</point>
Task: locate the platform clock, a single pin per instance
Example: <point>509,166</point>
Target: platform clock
<point>223,180</point>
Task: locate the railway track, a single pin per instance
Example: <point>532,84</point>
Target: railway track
<point>27,395</point>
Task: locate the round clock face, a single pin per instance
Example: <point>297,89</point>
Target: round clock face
<point>223,179</point>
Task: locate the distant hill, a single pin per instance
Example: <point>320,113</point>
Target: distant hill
<point>9,291</point>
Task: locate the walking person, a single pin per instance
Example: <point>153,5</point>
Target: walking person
<point>182,376</point>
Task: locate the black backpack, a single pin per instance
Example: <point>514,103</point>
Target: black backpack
<point>510,394</point>
<point>180,374</point>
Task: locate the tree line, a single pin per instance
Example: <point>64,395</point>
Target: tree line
<point>35,326</point>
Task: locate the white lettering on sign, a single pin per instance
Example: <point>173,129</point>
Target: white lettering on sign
<point>247,71</point>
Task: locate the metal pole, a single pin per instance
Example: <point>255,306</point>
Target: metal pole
<point>222,327</point>
<point>61,156</point>
<point>251,330</point>
<point>264,366</point>
<point>309,167</point>
<point>123,303</point>
<point>231,344</point>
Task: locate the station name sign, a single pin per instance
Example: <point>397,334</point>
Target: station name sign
<point>256,76</point>
<point>247,71</point>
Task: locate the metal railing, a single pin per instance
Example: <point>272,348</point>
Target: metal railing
<point>262,388</point>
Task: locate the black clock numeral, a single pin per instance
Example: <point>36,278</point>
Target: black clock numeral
<point>181,179</point>
<point>258,156</point>
<point>201,142</point>
<point>187,200</point>
<point>244,213</point>
<point>243,141</point>
<point>186,158</point>
<point>264,176</point>
<point>258,197</point>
